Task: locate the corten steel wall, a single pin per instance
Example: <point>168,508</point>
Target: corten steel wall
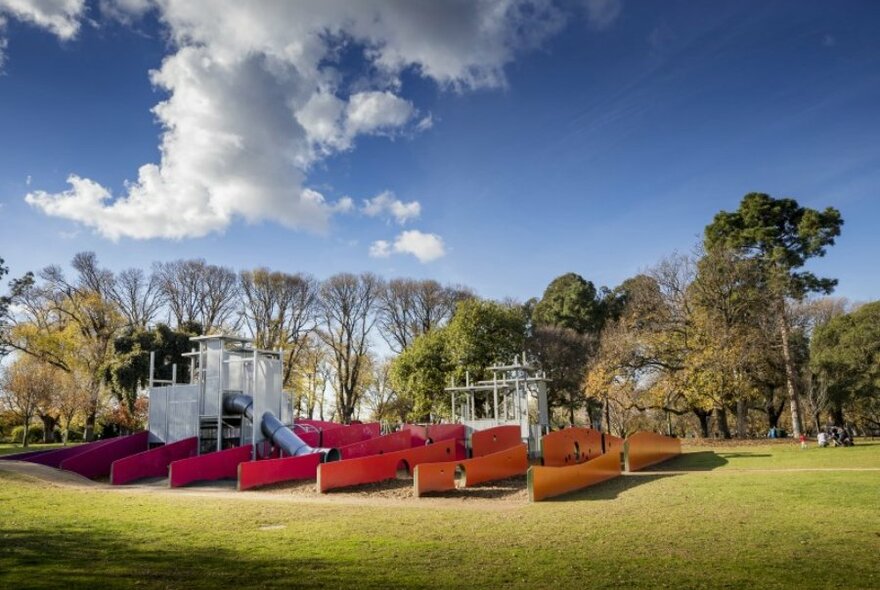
<point>218,465</point>
<point>439,477</point>
<point>492,440</point>
<point>340,437</point>
<point>570,446</point>
<point>613,443</point>
<point>97,461</point>
<point>396,441</point>
<point>152,463</point>
<point>644,449</point>
<point>54,458</point>
<point>365,470</point>
<point>548,482</point>
<point>253,474</point>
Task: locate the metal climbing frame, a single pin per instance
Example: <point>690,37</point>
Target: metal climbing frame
<point>518,392</point>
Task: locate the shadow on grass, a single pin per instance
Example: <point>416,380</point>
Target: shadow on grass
<point>37,558</point>
<point>699,461</point>
<point>611,489</point>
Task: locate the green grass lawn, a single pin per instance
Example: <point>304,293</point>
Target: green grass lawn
<point>722,526</point>
<point>12,448</point>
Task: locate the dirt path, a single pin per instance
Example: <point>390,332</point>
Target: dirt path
<point>510,494</point>
<point>504,495</point>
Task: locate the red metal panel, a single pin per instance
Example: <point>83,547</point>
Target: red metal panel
<point>438,432</point>
<point>547,482</point>
<point>570,446</point>
<point>310,437</point>
<point>419,434</point>
<point>644,449</point>
<point>492,440</point>
<point>218,465</point>
<point>437,477</point>
<point>340,437</point>
<point>253,474</point>
<point>320,424</point>
<point>152,463</point>
<point>96,462</point>
<point>376,468</point>
<point>396,441</point>
<point>54,458</point>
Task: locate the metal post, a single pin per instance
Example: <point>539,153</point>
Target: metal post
<point>495,392</point>
<point>174,374</point>
<point>220,399</point>
<point>152,366</point>
<point>253,422</point>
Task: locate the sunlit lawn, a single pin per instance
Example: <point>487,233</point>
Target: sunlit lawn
<point>715,527</point>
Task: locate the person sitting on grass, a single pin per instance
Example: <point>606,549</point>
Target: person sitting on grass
<point>822,439</point>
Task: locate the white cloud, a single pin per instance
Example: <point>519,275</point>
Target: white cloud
<point>426,247</point>
<point>602,13</point>
<point>386,203</point>
<point>380,249</point>
<point>59,17</point>
<point>257,97</point>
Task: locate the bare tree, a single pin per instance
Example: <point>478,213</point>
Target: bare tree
<point>279,310</point>
<point>137,296</point>
<point>26,386</point>
<point>346,318</point>
<point>408,308</point>
<point>198,292</point>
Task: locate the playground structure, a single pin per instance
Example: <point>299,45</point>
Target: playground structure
<point>232,421</point>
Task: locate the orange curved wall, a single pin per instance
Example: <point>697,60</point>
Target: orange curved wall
<point>548,482</point>
<point>492,440</point>
<point>644,449</point>
<point>570,446</point>
<point>439,477</point>
<point>352,472</point>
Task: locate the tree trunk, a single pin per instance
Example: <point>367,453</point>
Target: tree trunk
<point>837,415</point>
<point>571,414</point>
<point>742,418</point>
<point>721,415</point>
<point>703,417</point>
<point>26,432</point>
<point>607,416</point>
<point>49,423</point>
<point>791,377</point>
<point>773,412</point>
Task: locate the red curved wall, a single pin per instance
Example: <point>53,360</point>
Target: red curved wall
<point>96,462</point>
<point>352,472</point>
<point>218,465</point>
<point>152,463</point>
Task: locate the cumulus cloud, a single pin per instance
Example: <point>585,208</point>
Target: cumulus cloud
<point>380,249</point>
<point>259,96</point>
<point>59,17</point>
<point>602,13</point>
<point>387,204</point>
<point>425,247</point>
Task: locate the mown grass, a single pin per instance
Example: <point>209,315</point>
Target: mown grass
<point>716,527</point>
<point>12,448</point>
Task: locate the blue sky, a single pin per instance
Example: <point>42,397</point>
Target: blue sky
<point>594,137</point>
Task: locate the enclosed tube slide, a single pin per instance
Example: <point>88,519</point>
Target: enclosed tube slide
<point>280,435</point>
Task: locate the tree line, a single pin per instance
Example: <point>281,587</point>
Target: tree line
<point>729,339</point>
